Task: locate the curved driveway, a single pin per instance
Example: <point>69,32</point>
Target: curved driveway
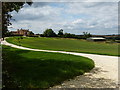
<point>104,75</point>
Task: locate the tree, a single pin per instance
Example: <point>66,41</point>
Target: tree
<point>30,33</point>
<point>60,32</point>
<point>6,16</point>
<point>86,34</point>
<point>49,33</point>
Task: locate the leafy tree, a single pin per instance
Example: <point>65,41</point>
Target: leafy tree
<point>49,33</point>
<point>86,34</point>
<point>8,33</point>
<point>6,16</point>
<point>60,32</point>
<point>30,33</point>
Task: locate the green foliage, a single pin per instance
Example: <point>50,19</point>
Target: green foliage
<point>86,34</point>
<point>30,69</point>
<point>8,34</point>
<point>60,32</point>
<point>68,35</point>
<point>49,33</point>
<point>63,44</point>
<point>30,33</point>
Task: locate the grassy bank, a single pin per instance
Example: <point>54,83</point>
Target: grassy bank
<point>30,69</point>
<point>62,44</point>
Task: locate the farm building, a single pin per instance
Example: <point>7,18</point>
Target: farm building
<point>21,32</point>
<point>96,39</point>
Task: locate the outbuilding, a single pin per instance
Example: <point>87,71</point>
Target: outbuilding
<point>96,39</point>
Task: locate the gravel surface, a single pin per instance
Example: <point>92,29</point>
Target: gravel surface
<point>104,75</point>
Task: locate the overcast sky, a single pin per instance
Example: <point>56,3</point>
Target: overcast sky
<point>76,18</point>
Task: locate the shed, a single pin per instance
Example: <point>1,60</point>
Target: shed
<point>96,39</point>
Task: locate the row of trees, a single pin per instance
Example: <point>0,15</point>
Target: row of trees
<point>51,33</point>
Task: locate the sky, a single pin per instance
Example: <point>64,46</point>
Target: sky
<point>99,18</point>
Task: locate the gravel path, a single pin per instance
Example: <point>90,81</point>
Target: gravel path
<point>104,75</point>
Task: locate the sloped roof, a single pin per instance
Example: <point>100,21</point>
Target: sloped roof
<point>96,38</point>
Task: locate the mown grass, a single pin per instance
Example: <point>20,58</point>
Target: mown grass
<point>63,44</point>
<point>32,69</point>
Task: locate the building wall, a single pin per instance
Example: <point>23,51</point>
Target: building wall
<point>23,32</point>
<point>20,32</point>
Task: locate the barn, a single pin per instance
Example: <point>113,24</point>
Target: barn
<point>96,39</point>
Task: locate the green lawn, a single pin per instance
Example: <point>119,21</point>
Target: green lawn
<point>67,45</point>
<point>32,69</point>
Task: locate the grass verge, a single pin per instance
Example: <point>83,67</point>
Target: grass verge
<point>72,45</point>
<point>31,69</point>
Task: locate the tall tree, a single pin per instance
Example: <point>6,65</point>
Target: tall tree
<point>60,32</point>
<point>6,16</point>
<point>86,34</point>
<point>49,33</point>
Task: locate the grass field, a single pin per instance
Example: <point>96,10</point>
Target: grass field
<point>63,44</point>
<point>30,69</point>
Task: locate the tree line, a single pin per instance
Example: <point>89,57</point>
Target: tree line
<point>51,33</point>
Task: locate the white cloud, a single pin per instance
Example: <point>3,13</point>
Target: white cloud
<point>78,21</point>
<point>75,0</point>
<point>96,18</point>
